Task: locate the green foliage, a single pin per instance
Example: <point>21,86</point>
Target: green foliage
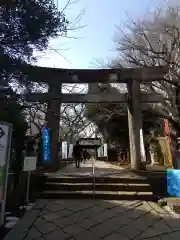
<point>26,25</point>
<point>112,120</point>
<point>114,128</point>
<point>108,117</point>
<point>154,40</point>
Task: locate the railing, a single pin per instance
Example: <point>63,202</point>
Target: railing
<point>94,178</point>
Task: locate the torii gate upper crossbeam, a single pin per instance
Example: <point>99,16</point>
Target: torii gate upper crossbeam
<point>92,98</point>
<point>50,75</point>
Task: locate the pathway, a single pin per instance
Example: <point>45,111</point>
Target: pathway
<point>95,220</point>
<point>101,169</point>
<point>98,219</point>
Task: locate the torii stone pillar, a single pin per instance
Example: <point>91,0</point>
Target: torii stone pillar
<point>134,122</point>
<point>53,119</point>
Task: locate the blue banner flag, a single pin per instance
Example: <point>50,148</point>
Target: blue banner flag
<point>46,145</point>
<point>173,182</point>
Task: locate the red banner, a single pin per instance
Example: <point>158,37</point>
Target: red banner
<point>167,129</point>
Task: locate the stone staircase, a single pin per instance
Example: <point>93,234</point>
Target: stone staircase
<point>120,188</point>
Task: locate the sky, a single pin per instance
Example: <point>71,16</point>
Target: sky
<point>95,41</point>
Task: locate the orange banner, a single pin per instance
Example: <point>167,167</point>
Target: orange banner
<point>167,129</point>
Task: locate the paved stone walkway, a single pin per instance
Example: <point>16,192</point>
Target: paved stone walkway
<point>102,168</point>
<point>95,220</point>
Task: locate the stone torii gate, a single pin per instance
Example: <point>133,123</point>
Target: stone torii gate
<point>132,76</point>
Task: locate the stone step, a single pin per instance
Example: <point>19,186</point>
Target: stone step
<point>137,187</point>
<point>97,180</point>
<point>122,195</point>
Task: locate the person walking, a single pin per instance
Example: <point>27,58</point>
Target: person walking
<point>77,154</point>
<point>86,155</point>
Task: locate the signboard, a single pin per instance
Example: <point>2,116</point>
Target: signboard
<point>46,145</point>
<point>5,149</point>
<point>90,141</point>
<point>4,131</point>
<point>30,163</point>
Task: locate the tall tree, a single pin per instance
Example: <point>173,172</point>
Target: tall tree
<point>26,26</point>
<point>154,41</point>
<point>29,25</point>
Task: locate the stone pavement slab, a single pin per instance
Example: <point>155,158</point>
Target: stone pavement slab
<point>115,236</point>
<point>56,235</point>
<point>86,235</point>
<point>95,220</point>
<point>22,227</point>
<point>33,234</point>
<point>173,236</point>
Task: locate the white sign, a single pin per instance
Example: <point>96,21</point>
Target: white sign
<point>90,142</point>
<point>100,151</point>
<point>105,150</point>
<point>4,138</point>
<point>64,150</point>
<point>143,154</point>
<point>30,163</point>
<point>70,153</point>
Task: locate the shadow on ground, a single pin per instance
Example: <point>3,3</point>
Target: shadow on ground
<point>157,180</point>
<point>98,219</point>
<point>106,173</point>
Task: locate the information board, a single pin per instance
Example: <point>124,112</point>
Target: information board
<point>30,163</point>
